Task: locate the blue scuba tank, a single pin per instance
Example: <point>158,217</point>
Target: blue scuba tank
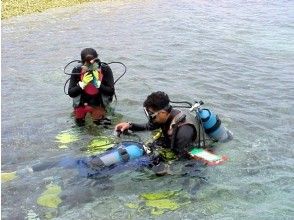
<point>124,152</point>
<point>213,126</point>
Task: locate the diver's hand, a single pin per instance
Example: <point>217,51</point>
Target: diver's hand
<point>84,69</point>
<point>87,78</point>
<point>96,81</point>
<point>122,127</point>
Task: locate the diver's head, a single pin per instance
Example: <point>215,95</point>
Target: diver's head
<point>157,107</point>
<point>88,54</point>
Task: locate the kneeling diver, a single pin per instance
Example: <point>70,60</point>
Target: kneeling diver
<point>179,134</point>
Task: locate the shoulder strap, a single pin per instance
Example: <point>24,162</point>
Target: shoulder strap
<point>174,126</point>
<point>180,117</point>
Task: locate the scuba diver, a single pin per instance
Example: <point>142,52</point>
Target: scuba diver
<point>124,155</point>
<point>91,87</point>
<point>179,133</point>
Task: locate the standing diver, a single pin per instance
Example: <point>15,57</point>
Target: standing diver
<point>179,134</point>
<point>91,87</point>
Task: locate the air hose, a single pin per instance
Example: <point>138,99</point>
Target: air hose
<point>100,63</point>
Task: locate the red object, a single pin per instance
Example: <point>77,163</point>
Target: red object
<point>218,162</point>
<point>90,89</point>
<point>97,113</point>
<point>211,163</point>
<point>80,112</point>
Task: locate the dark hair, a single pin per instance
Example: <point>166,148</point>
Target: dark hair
<point>88,54</point>
<point>157,101</point>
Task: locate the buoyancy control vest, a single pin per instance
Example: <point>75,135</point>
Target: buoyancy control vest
<point>179,120</point>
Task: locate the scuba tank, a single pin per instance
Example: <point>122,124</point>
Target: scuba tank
<point>210,123</point>
<point>213,126</point>
<point>124,152</point>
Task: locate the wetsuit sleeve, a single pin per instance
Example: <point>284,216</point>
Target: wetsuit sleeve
<point>107,84</point>
<point>143,127</point>
<point>184,140</point>
<point>74,89</point>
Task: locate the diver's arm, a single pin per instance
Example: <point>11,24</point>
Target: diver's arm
<point>74,89</point>
<point>143,127</point>
<point>124,126</point>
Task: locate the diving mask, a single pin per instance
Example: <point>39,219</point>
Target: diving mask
<point>152,115</point>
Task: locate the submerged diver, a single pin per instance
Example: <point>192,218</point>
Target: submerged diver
<point>125,155</point>
<point>179,134</point>
<point>91,87</point>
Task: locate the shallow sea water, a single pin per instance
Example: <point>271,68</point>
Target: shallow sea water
<point>236,56</point>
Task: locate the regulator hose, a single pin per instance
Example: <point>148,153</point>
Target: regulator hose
<point>78,61</point>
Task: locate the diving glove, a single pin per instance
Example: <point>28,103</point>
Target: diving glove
<point>87,78</point>
<point>96,80</point>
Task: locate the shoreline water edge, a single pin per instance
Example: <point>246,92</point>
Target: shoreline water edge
<point>12,8</point>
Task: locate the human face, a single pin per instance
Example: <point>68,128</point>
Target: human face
<point>156,116</point>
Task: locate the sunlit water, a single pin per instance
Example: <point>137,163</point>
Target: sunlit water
<point>236,56</point>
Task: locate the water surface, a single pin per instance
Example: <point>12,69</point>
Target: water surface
<point>236,56</point>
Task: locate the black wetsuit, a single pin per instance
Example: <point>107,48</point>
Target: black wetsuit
<point>182,138</point>
<point>106,88</point>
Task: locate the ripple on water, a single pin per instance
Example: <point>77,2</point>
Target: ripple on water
<point>235,56</point>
